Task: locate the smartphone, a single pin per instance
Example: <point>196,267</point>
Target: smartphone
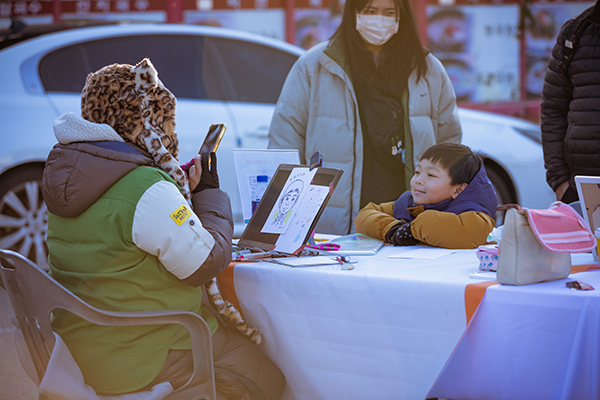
<point>212,139</point>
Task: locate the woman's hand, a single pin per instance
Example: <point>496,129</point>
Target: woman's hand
<point>195,172</point>
<point>209,179</point>
<point>561,190</point>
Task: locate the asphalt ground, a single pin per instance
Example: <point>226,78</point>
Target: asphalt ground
<point>14,382</point>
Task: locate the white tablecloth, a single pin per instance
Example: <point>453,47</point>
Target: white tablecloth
<point>386,329</point>
<point>381,331</point>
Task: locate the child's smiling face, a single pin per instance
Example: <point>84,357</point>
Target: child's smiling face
<point>431,184</point>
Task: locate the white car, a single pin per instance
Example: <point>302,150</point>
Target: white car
<point>218,76</point>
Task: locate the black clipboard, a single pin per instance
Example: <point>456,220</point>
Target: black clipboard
<point>253,237</point>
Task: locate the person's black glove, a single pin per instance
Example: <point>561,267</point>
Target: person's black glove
<point>209,178</point>
<point>401,235</point>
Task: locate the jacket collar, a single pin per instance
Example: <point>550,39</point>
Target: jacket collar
<point>335,51</point>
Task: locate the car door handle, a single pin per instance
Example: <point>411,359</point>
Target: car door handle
<point>261,132</point>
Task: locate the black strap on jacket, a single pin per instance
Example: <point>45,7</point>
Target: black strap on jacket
<point>579,24</point>
<point>382,123</point>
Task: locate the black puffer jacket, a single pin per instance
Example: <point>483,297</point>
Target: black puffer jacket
<point>571,108</point>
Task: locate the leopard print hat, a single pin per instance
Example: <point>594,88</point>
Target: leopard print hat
<point>136,104</point>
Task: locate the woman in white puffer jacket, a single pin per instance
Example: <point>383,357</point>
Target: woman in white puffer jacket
<point>372,100</point>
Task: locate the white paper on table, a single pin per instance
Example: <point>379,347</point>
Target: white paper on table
<point>426,253</point>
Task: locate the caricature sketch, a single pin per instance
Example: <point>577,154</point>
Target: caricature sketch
<point>306,212</point>
<point>285,205</point>
<point>290,209</point>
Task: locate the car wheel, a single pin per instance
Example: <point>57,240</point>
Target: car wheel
<point>23,214</point>
<point>503,191</point>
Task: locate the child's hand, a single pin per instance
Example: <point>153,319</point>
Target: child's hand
<point>195,172</point>
<point>401,235</point>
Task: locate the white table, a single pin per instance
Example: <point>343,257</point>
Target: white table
<point>384,330</point>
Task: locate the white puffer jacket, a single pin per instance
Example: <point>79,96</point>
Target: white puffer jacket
<point>317,111</point>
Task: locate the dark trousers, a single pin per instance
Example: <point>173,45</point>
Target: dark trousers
<point>242,371</point>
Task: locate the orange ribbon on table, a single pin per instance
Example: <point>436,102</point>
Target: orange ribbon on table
<point>227,286</point>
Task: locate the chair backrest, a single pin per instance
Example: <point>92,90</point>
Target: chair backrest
<point>34,294</point>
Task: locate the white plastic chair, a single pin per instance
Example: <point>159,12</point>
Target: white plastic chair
<point>34,295</point>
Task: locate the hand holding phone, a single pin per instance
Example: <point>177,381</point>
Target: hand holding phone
<point>212,139</point>
<point>209,178</point>
<point>194,172</point>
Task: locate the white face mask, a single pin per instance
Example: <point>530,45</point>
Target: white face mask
<point>376,29</point>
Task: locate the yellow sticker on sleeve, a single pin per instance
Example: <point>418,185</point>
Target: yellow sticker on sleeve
<point>181,214</point>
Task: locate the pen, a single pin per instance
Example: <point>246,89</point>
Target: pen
<point>252,257</point>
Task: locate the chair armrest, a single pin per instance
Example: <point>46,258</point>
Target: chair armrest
<point>198,329</point>
<point>200,333</point>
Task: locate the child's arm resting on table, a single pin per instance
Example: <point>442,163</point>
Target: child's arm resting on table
<point>442,229</point>
<point>375,220</point>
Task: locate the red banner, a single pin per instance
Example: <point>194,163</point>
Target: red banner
<point>84,7</point>
<point>496,2</point>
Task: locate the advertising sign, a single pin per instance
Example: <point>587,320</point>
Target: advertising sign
<point>479,47</point>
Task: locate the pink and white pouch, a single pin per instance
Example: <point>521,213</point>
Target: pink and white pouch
<point>536,244</point>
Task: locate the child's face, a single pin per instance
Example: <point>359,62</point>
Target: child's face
<point>432,184</point>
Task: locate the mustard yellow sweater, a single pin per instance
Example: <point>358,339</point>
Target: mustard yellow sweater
<point>435,228</point>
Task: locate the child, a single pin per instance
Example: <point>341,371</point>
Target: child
<point>451,203</point>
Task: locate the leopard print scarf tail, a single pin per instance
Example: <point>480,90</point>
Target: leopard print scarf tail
<point>149,87</point>
<point>229,313</point>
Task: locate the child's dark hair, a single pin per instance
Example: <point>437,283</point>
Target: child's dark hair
<point>460,161</point>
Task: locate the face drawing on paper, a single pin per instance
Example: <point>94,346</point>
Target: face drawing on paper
<point>287,203</point>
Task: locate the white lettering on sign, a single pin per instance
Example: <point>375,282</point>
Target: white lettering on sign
<point>34,7</point>
<point>20,7</point>
<point>5,9</point>
<point>122,5</point>
<point>261,4</point>
<point>142,5</point>
<point>103,6</point>
<point>83,7</point>
<point>234,3</point>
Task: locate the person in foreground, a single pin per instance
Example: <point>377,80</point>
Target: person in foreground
<point>123,237</point>
<point>451,204</point>
<point>371,100</point>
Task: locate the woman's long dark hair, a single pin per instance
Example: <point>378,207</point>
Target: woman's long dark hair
<point>399,56</point>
